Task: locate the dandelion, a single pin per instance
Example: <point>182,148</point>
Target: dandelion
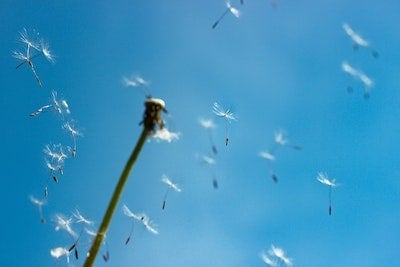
<point>267,155</point>
<point>24,38</point>
<point>149,225</point>
<point>280,256</point>
<point>357,39</point>
<point>74,132</point>
<point>211,162</point>
<point>54,157</point>
<point>151,121</point>
<point>39,204</point>
<point>141,217</point>
<point>59,252</point>
<point>137,81</point>
<point>275,257</point>
<point>63,223</point>
<point>133,216</point>
<point>324,179</point>
<point>227,115</point>
<point>209,124</point>
<point>208,160</point>
<point>33,49</point>
<point>270,158</point>
<point>229,9</point>
<point>60,106</point>
<point>28,59</point>
<point>152,115</point>
<point>358,74</point>
<point>280,139</point>
<point>45,48</point>
<point>79,219</point>
<point>169,184</point>
<point>267,260</point>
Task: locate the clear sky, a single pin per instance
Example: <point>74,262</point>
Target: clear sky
<point>277,66</point>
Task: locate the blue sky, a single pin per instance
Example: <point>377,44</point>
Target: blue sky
<point>275,68</point>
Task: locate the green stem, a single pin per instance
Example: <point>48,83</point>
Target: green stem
<point>114,200</point>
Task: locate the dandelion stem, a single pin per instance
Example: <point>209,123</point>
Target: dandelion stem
<point>114,199</point>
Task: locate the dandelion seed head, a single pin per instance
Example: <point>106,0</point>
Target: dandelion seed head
<point>62,223</point>
<point>36,201</point>
<point>356,38</point>
<point>132,215</point>
<point>267,155</point>
<point>169,183</point>
<point>367,81</point>
<point>61,106</point>
<point>135,82</point>
<point>324,179</point>
<point>207,123</point>
<point>164,134</point>
<point>20,56</point>
<point>280,254</point>
<point>51,166</point>
<point>56,153</point>
<point>264,257</point>
<point>141,81</point>
<point>219,111</point>
<point>24,38</point>
<point>69,127</point>
<point>209,160</point>
<point>280,138</point>
<point>152,114</point>
<point>130,83</point>
<point>80,218</point>
<point>233,10</point>
<point>45,48</point>
<point>149,225</point>
<point>59,252</point>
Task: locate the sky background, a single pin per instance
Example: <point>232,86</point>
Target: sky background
<point>275,68</point>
